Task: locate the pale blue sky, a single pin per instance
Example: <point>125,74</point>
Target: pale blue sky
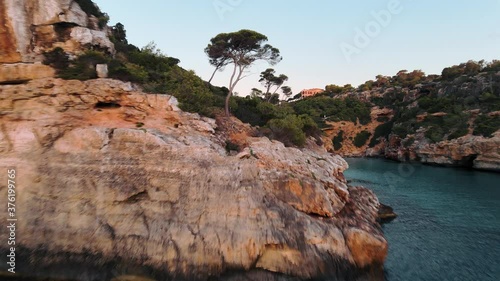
<point>311,35</point>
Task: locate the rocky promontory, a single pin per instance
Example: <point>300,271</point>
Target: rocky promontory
<point>112,181</point>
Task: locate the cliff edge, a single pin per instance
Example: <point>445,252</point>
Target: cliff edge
<point>112,181</point>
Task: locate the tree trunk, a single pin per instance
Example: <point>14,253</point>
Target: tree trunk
<point>213,74</point>
<point>231,87</point>
<point>228,97</point>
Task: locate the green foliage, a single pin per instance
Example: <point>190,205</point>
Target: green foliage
<point>435,134</point>
<point>257,112</point>
<point>337,141</point>
<point>56,58</point>
<point>361,138</point>
<point>485,125</point>
<point>288,130</point>
<point>391,99</point>
<point>192,92</point>
<point>127,71</point>
<point>91,9</point>
<point>461,89</point>
<point>458,132</point>
<point>242,49</point>
<point>493,66</point>
<point>82,68</point>
<point>323,109</point>
<point>383,130</point>
<point>408,79</point>
<point>383,119</point>
<point>401,130</point>
<point>469,68</point>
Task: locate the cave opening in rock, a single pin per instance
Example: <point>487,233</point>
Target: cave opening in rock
<point>468,161</point>
<point>107,105</point>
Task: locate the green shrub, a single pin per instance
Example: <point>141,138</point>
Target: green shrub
<point>435,134</point>
<point>288,130</point>
<point>127,71</point>
<point>310,128</point>
<point>83,67</point>
<point>457,133</point>
<point>401,130</point>
<point>56,58</point>
<point>337,141</point>
<point>383,130</point>
<point>485,125</point>
<point>89,8</point>
<point>383,119</point>
<point>325,108</point>
<point>361,138</point>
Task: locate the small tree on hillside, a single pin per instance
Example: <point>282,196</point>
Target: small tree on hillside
<point>287,91</point>
<point>269,80</point>
<point>242,49</point>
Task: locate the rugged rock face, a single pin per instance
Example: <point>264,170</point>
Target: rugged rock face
<point>468,151</point>
<point>112,181</point>
<point>351,129</point>
<point>28,28</point>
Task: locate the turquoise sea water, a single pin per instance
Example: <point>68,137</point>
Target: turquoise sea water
<point>448,225</point>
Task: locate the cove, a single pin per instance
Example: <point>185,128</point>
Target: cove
<point>448,225</point>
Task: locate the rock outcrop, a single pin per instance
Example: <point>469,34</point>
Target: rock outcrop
<point>112,181</point>
<point>469,151</point>
<point>28,28</point>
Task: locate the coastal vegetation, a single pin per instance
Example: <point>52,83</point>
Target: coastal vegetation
<point>445,107</point>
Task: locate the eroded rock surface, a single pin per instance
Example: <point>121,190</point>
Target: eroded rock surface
<point>110,175</point>
<point>28,28</point>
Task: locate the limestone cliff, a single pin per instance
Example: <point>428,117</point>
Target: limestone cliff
<point>28,28</point>
<point>468,151</point>
<point>112,181</point>
<point>442,121</point>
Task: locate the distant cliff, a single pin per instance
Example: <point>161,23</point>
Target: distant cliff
<point>453,121</point>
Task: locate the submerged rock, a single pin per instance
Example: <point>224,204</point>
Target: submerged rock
<point>114,182</point>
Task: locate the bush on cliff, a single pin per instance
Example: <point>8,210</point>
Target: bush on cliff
<point>323,109</point>
<point>485,125</point>
<point>337,140</point>
<point>92,9</point>
<point>288,130</point>
<point>56,58</point>
<point>361,138</point>
<point>81,68</point>
<point>383,130</point>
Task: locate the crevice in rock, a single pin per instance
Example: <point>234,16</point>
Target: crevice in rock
<point>6,137</point>
<point>15,82</point>
<point>143,195</point>
<point>107,105</point>
<point>110,137</point>
<point>109,229</point>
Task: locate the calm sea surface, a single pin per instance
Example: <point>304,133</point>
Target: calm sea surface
<point>449,220</point>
